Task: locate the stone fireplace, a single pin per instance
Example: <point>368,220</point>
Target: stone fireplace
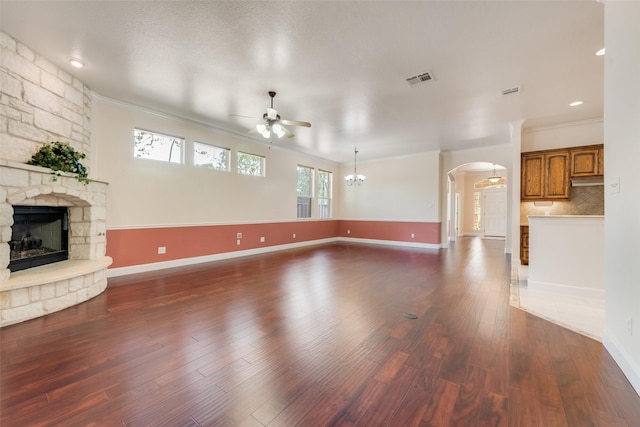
<point>34,292</point>
<point>39,236</point>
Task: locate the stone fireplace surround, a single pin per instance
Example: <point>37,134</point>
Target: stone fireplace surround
<point>38,291</point>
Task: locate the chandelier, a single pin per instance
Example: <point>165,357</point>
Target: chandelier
<point>494,179</point>
<point>355,178</point>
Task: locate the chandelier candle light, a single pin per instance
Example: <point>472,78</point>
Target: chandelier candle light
<point>355,178</point>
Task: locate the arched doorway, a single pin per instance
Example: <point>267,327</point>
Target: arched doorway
<point>477,201</point>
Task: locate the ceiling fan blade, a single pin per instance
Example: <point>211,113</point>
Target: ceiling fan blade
<point>295,123</point>
<point>287,132</point>
<point>272,114</point>
<point>245,117</point>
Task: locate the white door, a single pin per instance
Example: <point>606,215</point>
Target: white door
<point>495,213</point>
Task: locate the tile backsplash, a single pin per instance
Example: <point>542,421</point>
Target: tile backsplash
<point>584,201</point>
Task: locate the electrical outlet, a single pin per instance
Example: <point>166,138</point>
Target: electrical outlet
<point>238,242</point>
<point>413,235</point>
<point>262,239</point>
<point>348,231</point>
<point>162,250</point>
<point>630,326</point>
<point>239,236</point>
<point>294,235</point>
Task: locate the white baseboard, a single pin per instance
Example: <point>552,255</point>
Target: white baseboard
<point>393,243</point>
<point>565,289</point>
<point>143,268</point>
<point>623,359</point>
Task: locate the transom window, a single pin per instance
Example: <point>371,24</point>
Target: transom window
<point>251,164</point>
<point>156,146</point>
<point>304,191</point>
<point>210,156</point>
<point>324,194</point>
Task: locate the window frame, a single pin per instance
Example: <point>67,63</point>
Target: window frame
<point>263,164</point>
<point>477,211</point>
<point>329,204</point>
<point>181,146</point>
<point>212,167</point>
<point>305,210</point>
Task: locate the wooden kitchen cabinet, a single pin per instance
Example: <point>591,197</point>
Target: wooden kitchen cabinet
<point>524,244</point>
<point>587,162</point>
<point>545,175</point>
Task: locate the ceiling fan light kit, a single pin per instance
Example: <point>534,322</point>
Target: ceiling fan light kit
<point>272,123</point>
<point>355,178</point>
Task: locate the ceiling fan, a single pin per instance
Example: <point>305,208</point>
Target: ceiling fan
<point>273,123</point>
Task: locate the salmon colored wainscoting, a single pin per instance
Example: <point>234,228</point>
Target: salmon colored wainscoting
<point>134,248</point>
<point>130,247</point>
<point>424,233</point>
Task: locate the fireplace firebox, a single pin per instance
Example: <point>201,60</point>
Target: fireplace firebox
<point>39,236</point>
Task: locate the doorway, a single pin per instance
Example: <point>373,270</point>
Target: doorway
<point>495,213</point>
<point>477,201</point>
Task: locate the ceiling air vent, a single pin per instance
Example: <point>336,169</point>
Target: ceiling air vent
<point>420,78</point>
<point>510,91</point>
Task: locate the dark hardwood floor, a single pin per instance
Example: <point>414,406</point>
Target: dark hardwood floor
<point>312,337</point>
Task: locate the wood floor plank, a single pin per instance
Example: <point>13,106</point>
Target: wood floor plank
<point>382,412</point>
<point>439,410</point>
<point>494,411</point>
<point>312,336</point>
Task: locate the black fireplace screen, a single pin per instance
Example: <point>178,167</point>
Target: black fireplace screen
<point>39,236</point>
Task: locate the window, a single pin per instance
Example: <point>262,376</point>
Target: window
<point>210,156</point>
<point>305,191</point>
<point>477,210</point>
<point>250,164</point>
<point>324,194</point>
<point>155,146</point>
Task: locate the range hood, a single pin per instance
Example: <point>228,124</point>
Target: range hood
<point>584,182</point>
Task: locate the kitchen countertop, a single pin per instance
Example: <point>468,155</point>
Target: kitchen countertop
<point>526,224</point>
<point>565,216</point>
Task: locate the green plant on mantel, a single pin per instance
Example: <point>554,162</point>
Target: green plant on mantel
<point>61,157</point>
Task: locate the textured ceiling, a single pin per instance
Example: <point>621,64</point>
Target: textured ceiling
<point>339,65</point>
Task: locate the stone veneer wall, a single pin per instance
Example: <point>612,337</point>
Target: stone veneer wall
<point>38,291</point>
<point>39,103</point>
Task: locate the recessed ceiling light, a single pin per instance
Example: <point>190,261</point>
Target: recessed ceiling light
<point>76,62</point>
<point>576,103</point>
<point>600,52</point>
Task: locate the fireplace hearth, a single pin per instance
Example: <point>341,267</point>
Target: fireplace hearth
<point>39,236</point>
<point>42,216</point>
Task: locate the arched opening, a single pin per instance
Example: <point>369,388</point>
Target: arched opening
<point>477,201</point>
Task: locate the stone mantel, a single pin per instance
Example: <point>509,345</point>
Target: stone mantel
<point>42,290</point>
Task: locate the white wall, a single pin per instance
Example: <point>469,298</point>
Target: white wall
<point>403,188</point>
<point>149,193</point>
<point>622,209</point>
<point>572,134</point>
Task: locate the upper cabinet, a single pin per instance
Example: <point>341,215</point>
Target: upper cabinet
<point>587,162</point>
<point>545,175</point>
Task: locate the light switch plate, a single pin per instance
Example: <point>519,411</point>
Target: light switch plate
<point>614,185</point>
